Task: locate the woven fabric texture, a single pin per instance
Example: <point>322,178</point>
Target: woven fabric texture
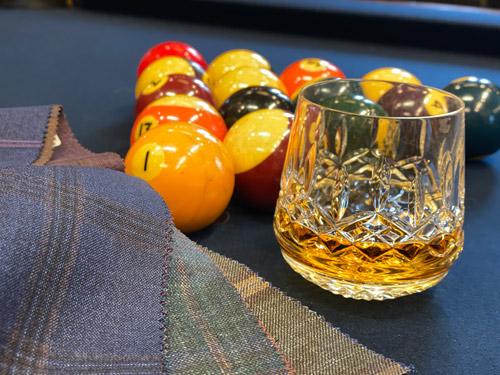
<point>81,271</point>
<point>95,278</point>
<point>209,329</point>
<point>312,345</point>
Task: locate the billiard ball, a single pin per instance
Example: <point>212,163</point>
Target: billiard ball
<point>189,168</point>
<point>482,115</point>
<point>174,84</point>
<point>170,48</point>
<point>241,78</point>
<point>184,101</point>
<point>375,91</point>
<point>356,104</point>
<point>154,116</point>
<point>235,59</point>
<point>328,89</point>
<point>404,100</point>
<point>156,72</point>
<point>257,143</point>
<point>423,111</point>
<point>252,99</point>
<point>348,134</point>
<point>305,71</point>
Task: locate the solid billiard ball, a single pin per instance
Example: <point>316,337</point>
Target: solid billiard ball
<point>154,116</point>
<point>252,99</point>
<point>257,143</point>
<point>375,91</point>
<point>189,168</point>
<point>170,48</point>
<point>348,134</point>
<point>184,101</point>
<point>356,104</point>
<point>305,71</point>
<point>328,89</point>
<point>241,78</point>
<point>171,85</point>
<point>482,115</point>
<point>235,59</point>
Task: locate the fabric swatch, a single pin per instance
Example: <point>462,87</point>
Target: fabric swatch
<point>96,279</point>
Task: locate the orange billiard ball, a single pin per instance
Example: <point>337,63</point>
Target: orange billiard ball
<point>189,167</point>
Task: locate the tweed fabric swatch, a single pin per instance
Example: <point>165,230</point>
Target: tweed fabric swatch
<point>307,341</point>
<point>313,346</point>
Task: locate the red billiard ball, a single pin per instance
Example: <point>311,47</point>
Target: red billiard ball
<point>171,48</point>
<point>257,143</point>
<point>306,71</point>
<point>171,85</point>
<point>189,168</point>
<point>155,116</point>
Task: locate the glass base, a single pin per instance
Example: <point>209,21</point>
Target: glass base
<point>365,291</point>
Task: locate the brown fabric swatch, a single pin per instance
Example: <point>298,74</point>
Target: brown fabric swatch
<point>70,151</point>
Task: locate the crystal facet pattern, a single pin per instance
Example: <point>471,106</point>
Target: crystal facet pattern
<point>374,210</point>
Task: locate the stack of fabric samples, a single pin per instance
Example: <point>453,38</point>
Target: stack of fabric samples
<point>96,279</point>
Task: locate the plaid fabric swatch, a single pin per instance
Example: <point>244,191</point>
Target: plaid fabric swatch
<point>209,329</point>
<point>95,278</point>
<point>313,346</point>
<point>81,272</point>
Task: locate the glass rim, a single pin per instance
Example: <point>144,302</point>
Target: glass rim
<point>301,97</point>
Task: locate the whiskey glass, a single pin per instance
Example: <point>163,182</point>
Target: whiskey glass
<point>371,204</point>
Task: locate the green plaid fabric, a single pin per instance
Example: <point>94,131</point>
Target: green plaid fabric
<point>310,343</point>
<point>95,278</point>
<point>209,330</point>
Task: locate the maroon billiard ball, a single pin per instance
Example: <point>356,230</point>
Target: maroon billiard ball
<point>406,100</point>
<point>258,143</point>
<point>174,84</point>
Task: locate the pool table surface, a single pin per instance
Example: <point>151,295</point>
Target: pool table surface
<point>86,60</point>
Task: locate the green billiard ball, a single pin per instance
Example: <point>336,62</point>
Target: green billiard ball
<point>351,127</point>
<point>482,115</point>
